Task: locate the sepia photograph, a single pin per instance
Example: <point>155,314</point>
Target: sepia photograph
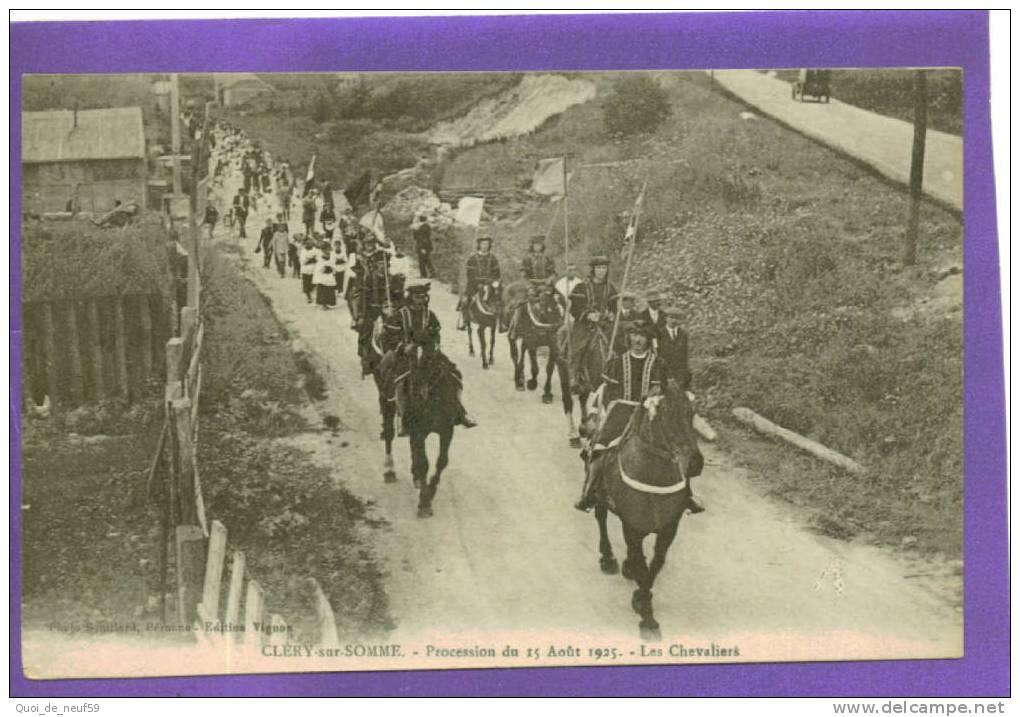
<point>337,371</point>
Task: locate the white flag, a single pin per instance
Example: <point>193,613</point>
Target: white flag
<point>311,170</point>
<point>374,221</point>
<point>469,210</point>
<point>549,177</point>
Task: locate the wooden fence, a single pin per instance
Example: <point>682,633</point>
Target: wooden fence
<point>77,351</point>
<point>200,548</point>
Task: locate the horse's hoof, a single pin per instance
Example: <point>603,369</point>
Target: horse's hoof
<point>416,483</point>
<point>424,512</point>
<point>390,477</point>
<point>650,633</point>
<point>575,442</point>
<point>547,398</point>
<point>485,366</point>
<point>520,387</point>
<point>609,566</point>
<point>532,385</point>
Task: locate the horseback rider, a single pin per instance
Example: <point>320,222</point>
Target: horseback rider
<point>369,294</point>
<point>481,268</point>
<point>627,380</point>
<point>592,306</point>
<point>536,265</point>
<point>409,327</point>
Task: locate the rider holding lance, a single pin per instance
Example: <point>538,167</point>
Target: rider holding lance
<point>592,305</point>
<point>369,295</point>
<point>481,268</point>
<point>415,324</point>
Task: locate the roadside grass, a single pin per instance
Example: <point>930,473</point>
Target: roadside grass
<point>290,515</point>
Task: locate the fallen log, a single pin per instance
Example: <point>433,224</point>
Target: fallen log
<point>767,427</point>
<point>704,430</point>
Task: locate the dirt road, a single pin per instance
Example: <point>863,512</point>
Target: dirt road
<point>883,142</point>
<point>507,560</point>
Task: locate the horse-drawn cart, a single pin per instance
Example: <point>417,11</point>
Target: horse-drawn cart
<point>816,83</point>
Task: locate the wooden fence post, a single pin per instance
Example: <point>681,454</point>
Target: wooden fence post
<point>145,339</point>
<point>190,542</point>
<point>253,605</point>
<point>209,610</point>
<point>50,347</point>
<point>234,593</point>
<point>190,534</point>
<point>324,617</point>
<point>95,343</point>
<point>74,354</point>
<point>120,347</point>
<point>174,357</point>
<point>186,454</point>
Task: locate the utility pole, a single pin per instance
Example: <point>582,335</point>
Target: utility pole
<point>175,131</point>
<point>916,165</point>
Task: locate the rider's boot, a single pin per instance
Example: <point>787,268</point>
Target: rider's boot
<point>694,505</point>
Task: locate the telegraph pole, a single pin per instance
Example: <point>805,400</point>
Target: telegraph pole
<point>916,165</point>
<point>175,131</point>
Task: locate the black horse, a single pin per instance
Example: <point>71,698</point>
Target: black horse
<point>484,311</point>
<point>591,365</point>
<point>645,481</point>
<point>429,386</point>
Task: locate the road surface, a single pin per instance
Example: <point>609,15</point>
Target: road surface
<point>882,142</point>
<point>507,560</point>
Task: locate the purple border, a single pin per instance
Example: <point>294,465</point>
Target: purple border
<point>568,42</point>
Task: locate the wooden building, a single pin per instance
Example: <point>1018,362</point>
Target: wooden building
<point>237,88</point>
<point>93,157</point>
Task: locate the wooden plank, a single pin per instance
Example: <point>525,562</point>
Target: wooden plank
<point>214,570</point>
<point>95,343</point>
<point>74,354</point>
<point>190,542</point>
<point>154,465</point>
<point>195,397</point>
<point>233,610</point>
<point>50,348</point>
<point>763,425</point>
<point>144,305</point>
<point>279,633</point>
<point>189,320</point>
<point>253,623</point>
<point>325,618</point>
<point>186,458</point>
<point>120,347</point>
<point>174,357</point>
<point>196,355</point>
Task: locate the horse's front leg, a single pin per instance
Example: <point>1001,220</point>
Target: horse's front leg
<point>389,431</point>
<point>445,438</point>
<point>481,345</point>
<point>607,561</point>
<point>492,343</point>
<point>547,396</point>
<point>419,461</point>
<point>635,568</point>
<point>471,341</point>
<point>517,356</point>
<point>533,360</point>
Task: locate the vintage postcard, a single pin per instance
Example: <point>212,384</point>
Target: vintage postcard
<point>357,369</point>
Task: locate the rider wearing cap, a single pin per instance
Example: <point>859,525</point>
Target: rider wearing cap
<point>369,294</point>
<point>592,305</point>
<point>481,268</point>
<point>627,380</point>
<point>415,324</point>
<point>536,265</point>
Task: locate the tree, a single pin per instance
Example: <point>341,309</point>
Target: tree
<point>636,104</point>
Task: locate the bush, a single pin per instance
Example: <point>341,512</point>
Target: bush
<point>637,104</point>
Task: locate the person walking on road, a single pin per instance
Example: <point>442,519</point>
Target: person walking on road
<point>423,247</point>
<point>325,278</point>
<point>210,219</point>
<point>241,205</point>
<point>281,247</point>
<point>309,257</point>
<point>265,244</point>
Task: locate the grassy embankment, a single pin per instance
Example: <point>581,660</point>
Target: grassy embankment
<point>785,257</point>
<point>288,514</point>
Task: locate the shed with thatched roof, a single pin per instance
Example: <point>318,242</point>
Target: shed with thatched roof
<point>91,157</point>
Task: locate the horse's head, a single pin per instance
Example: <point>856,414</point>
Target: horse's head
<point>666,421</point>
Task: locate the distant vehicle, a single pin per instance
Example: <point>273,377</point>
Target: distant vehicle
<point>815,83</point>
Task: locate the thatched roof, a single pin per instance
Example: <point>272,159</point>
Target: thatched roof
<point>59,136</point>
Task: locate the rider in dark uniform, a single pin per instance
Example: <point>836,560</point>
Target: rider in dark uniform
<point>592,306</point>
<point>627,380</point>
<point>369,294</point>
<point>415,324</point>
<point>481,268</point>
<point>536,265</point>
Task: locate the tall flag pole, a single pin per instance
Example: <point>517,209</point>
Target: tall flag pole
<point>629,242</point>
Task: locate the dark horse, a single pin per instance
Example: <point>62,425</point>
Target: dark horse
<point>430,405</point>
<point>484,311</point>
<point>591,364</point>
<point>533,324</point>
<point>645,482</point>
